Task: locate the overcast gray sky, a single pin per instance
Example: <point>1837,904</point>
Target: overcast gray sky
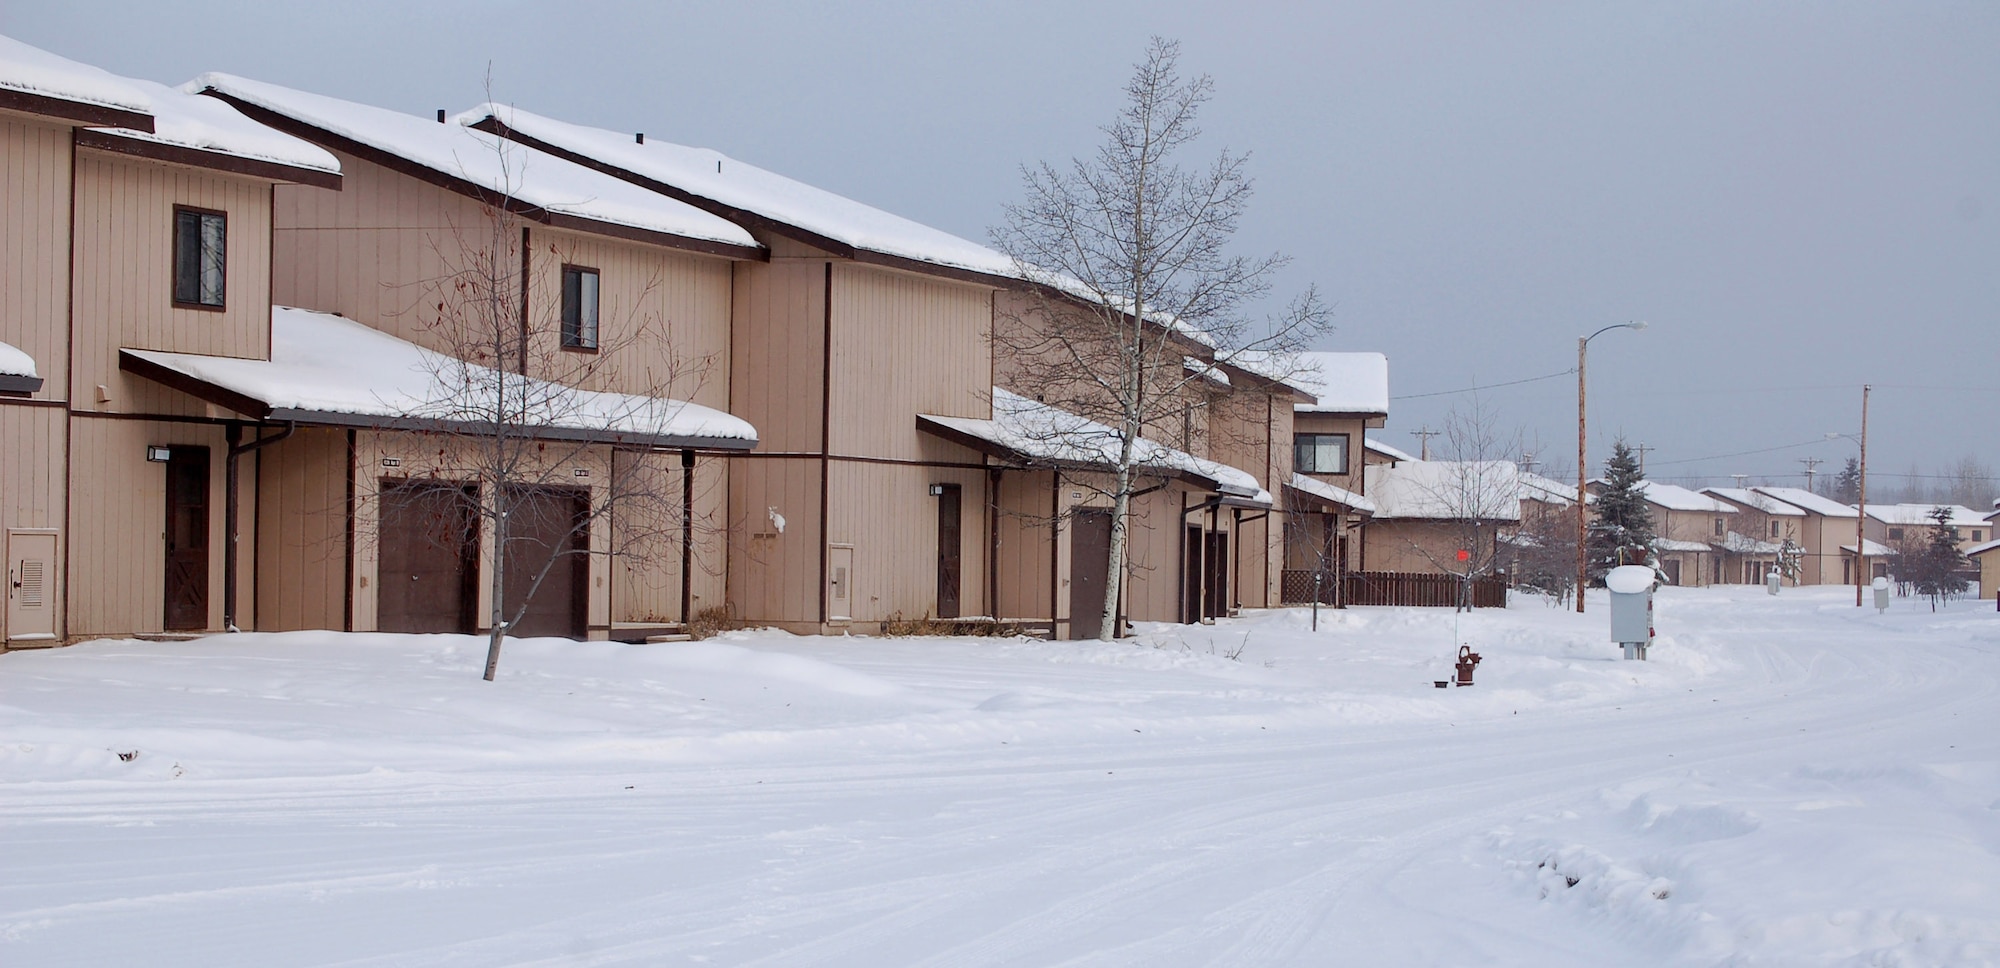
<point>1798,197</point>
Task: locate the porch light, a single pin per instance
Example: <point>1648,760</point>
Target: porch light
<point>937,490</point>
<point>158,455</point>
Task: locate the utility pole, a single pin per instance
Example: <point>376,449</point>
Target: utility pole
<point>1861,507</point>
<point>1582,466</point>
<point>1641,451</point>
<point>1425,435</point>
<point>1811,463</point>
<point>1739,479</point>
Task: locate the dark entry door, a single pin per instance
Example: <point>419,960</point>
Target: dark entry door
<point>547,529</point>
<point>429,559</point>
<point>950,565</point>
<point>187,539</point>
<point>1191,584</point>
<point>1089,570</point>
<point>1218,574</point>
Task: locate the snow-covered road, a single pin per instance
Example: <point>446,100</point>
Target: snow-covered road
<point>1790,781</point>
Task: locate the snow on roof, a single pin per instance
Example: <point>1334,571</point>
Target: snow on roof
<point>1920,514</point>
<point>712,175</point>
<point>16,362</point>
<point>1042,432</point>
<point>1327,492</point>
<point>1446,489</point>
<point>1982,548</point>
<point>1676,498</point>
<point>1384,449</point>
<point>1808,501</point>
<point>1740,544</point>
<point>1343,382</point>
<point>484,160</point>
<point>1676,544</point>
<point>188,120</point>
<point>32,70</point>
<point>1535,487</point>
<point>1876,549</point>
<point>324,367</point>
<point>1749,497</point>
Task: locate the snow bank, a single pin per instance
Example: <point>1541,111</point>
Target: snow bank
<point>32,70</point>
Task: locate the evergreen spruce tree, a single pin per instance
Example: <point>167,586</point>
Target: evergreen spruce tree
<point>1847,484</point>
<point>1937,568</point>
<point>1622,531</point>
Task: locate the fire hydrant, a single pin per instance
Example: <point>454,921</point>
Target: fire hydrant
<point>1467,661</point>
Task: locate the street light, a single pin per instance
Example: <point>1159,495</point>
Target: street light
<point>1582,468</point>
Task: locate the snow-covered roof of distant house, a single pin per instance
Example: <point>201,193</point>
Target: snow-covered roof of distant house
<point>17,371</point>
<point>1385,450</point>
<point>1982,548</point>
<point>1446,489</point>
<point>1676,498</point>
<point>1331,494</point>
<point>1876,549</point>
<point>1044,434</point>
<point>1920,514</point>
<point>325,369</point>
<point>1343,382</point>
<point>1741,544</point>
<point>1538,488</point>
<point>751,194</point>
<point>1808,501</point>
<point>1676,544</point>
<point>483,162</point>
<point>95,96</point>
<point>211,133</point>
<point>1749,497</point>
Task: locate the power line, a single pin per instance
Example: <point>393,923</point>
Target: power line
<point>1743,453</point>
<point>1491,386</point>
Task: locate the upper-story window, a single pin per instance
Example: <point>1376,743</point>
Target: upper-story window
<point>1319,453</point>
<point>1774,529</point>
<point>1718,527</point>
<point>200,241</point>
<point>579,308</point>
<point>1895,534</point>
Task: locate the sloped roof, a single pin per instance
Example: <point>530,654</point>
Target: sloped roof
<point>1876,549</point>
<point>1446,489</point>
<point>1982,548</point>
<point>1044,434</point>
<point>1808,501</point>
<point>1343,382</point>
<point>1920,514</point>
<point>1676,498</point>
<point>1331,494</point>
<point>1750,497</point>
<point>45,82</point>
<point>477,163</point>
<point>208,131</point>
<point>1742,544</point>
<point>1385,450</point>
<point>1676,544</point>
<point>1548,489</point>
<point>747,193</point>
<point>325,369</point>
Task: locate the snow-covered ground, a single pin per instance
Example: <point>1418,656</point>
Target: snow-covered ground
<point>1790,781</point>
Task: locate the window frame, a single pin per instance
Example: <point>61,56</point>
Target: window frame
<point>1346,452</point>
<point>174,272</point>
<point>571,332</point>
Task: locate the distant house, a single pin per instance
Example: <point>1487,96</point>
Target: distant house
<point>1824,527</point>
<point>1692,535</point>
<point>1986,555</point>
<point>1766,531</point>
<point>1428,513</point>
<point>1327,497</point>
<point>1902,526</point>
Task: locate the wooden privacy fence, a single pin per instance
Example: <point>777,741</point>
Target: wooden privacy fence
<point>1390,588</point>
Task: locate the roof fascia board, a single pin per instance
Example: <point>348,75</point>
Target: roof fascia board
<point>199,158</point>
<point>75,112</point>
<point>19,385</point>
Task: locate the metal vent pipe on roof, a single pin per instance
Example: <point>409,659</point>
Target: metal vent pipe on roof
<point>639,138</point>
<point>440,115</point>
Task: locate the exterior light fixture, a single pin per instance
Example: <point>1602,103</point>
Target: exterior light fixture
<point>158,455</point>
<point>937,490</point>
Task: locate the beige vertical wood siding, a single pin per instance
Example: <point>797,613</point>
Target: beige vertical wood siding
<point>774,576</point>
<point>903,345</point>
<point>647,568</point>
<point>124,257</point>
<point>776,367</point>
<point>1026,534</point>
<point>886,512</point>
<point>32,452</point>
<point>301,564</point>
<point>117,554</point>
<point>34,247</point>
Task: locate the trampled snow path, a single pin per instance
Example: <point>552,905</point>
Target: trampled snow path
<point>1791,781</point>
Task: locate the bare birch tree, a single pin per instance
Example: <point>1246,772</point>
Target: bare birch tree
<point>1129,276</point>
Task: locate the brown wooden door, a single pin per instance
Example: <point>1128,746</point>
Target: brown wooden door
<point>1191,566</point>
<point>187,539</point>
<point>1218,574</point>
<point>950,564</point>
<point>428,568</point>
<point>1089,570</point>
<point>547,529</point>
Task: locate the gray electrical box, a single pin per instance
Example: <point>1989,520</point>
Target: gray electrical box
<point>1631,589</point>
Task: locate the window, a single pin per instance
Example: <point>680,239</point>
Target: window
<point>1895,534</point>
<point>579,308</point>
<point>1718,527</point>
<point>1774,529</point>
<point>1319,453</point>
<point>1978,535</point>
<point>199,237</point>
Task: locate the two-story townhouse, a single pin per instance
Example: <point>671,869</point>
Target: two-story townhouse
<point>1326,500</point>
<point>1691,531</point>
<point>1826,525</point>
<point>1904,526</point>
<point>451,268</point>
<point>865,349</point>
<point>1765,533</point>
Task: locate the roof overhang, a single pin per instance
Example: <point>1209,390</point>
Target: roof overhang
<point>1013,458</point>
<point>19,384</point>
<point>452,183</point>
<point>74,112</point>
<point>212,160</point>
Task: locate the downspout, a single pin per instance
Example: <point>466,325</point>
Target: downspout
<point>233,434</point>
<point>687,537</point>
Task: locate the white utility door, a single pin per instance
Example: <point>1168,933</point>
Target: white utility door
<point>31,585</point>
